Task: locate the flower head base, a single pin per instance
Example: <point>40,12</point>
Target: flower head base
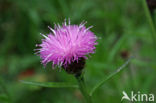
<point>67,44</point>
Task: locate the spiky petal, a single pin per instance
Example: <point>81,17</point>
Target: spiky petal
<point>67,44</point>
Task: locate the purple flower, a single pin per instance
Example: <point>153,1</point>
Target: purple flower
<point>67,44</point>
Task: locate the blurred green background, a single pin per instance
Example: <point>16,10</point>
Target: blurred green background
<point>122,29</point>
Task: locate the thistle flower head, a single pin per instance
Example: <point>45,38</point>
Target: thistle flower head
<point>66,44</point>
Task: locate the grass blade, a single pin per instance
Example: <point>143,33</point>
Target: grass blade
<point>116,48</point>
<point>150,20</point>
<point>110,76</point>
<point>51,84</point>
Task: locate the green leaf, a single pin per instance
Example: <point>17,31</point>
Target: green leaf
<point>110,76</point>
<point>51,84</point>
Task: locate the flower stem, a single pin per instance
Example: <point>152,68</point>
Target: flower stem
<point>83,89</point>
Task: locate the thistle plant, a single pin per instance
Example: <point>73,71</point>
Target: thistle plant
<point>68,46</point>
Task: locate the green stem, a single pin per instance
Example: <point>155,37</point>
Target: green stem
<point>83,89</point>
<point>148,15</point>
